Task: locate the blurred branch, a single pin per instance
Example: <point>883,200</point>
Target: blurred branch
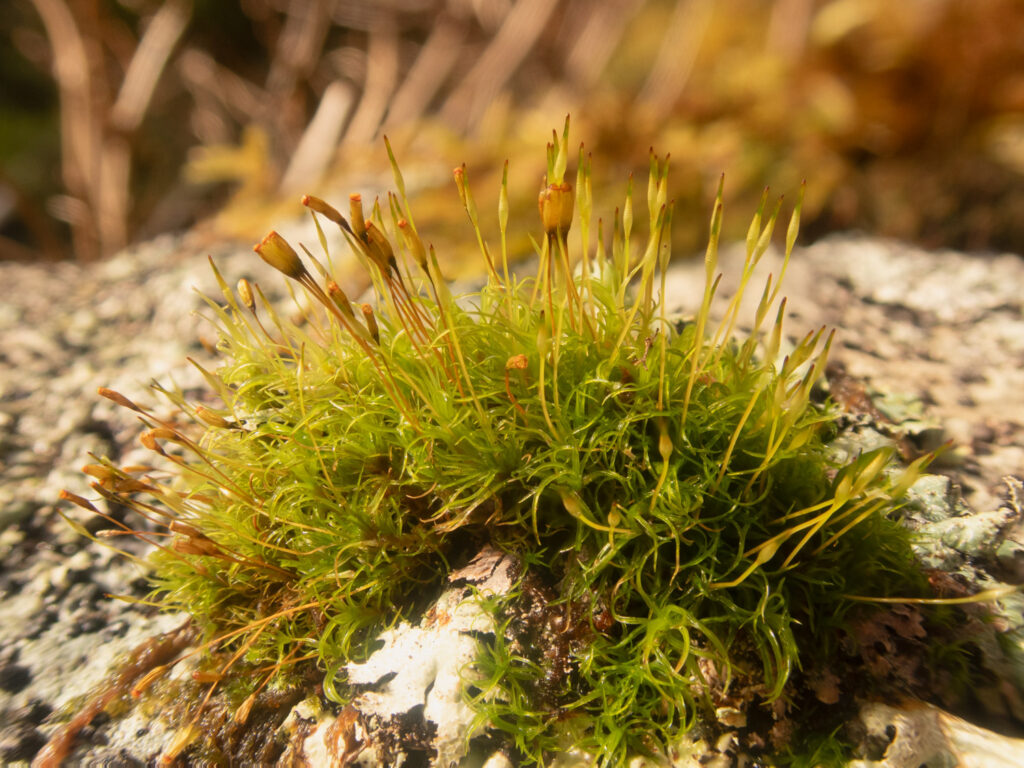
<point>126,114</point>
<point>95,148</point>
<point>316,149</point>
<point>293,60</point>
<point>858,90</point>
<point>220,95</point>
<point>300,43</point>
<point>595,42</point>
<point>491,72</point>
<point>428,73</point>
<point>147,64</point>
<point>381,80</point>
<point>679,48</point>
<point>78,124</point>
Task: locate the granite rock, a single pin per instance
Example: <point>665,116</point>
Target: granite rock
<point>941,329</point>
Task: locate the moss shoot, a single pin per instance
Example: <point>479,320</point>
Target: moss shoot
<point>666,485</point>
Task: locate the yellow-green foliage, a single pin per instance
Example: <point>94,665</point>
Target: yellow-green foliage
<point>667,482</point>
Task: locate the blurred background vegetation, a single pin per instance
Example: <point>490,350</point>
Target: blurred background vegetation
<point>122,119</point>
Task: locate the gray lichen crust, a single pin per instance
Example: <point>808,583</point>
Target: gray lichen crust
<point>960,349</point>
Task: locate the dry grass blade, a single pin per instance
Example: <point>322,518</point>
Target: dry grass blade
<point>519,31</point>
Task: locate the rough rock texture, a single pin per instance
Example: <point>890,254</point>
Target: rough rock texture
<point>923,735</point>
<point>946,329</point>
<point>67,330</point>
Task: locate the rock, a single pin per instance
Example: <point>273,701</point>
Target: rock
<point>424,667</point>
<point>943,329</point>
<point>915,734</point>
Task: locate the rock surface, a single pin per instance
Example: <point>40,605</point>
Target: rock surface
<point>945,329</point>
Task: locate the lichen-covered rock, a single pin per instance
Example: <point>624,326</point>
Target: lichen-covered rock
<point>943,328</point>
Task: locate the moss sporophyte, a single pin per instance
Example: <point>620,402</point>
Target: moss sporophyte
<point>665,485</point>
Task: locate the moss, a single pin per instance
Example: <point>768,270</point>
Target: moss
<point>667,486</point>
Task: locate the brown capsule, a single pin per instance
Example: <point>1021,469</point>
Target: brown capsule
<point>149,438</point>
<point>118,398</point>
<point>242,713</point>
<point>147,680</point>
<point>245,294</point>
<point>460,182</point>
<point>132,469</point>
<point>371,322</point>
<point>556,203</point>
<point>196,546</point>
<point>207,677</point>
<point>379,249</point>
<point>276,251</point>
<point>181,740</point>
<point>208,343</point>
<point>77,500</point>
<point>340,299</point>
<point>415,245</point>
<point>212,419</point>
<point>129,485</point>
<point>176,526</point>
<point>326,210</point>
<point>517,363</point>
<point>103,474</point>
<point>355,211</point>
<point>149,441</point>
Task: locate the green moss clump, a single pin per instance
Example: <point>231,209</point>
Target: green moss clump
<point>666,485</point>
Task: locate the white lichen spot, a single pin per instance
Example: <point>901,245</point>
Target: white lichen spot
<point>426,665</point>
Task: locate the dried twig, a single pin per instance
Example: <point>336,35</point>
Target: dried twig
<point>317,146</point>
<point>519,32</point>
<point>95,140</point>
<point>381,79</point>
<point>78,125</point>
<point>433,64</point>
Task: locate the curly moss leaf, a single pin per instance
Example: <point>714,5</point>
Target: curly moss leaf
<point>668,489</point>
